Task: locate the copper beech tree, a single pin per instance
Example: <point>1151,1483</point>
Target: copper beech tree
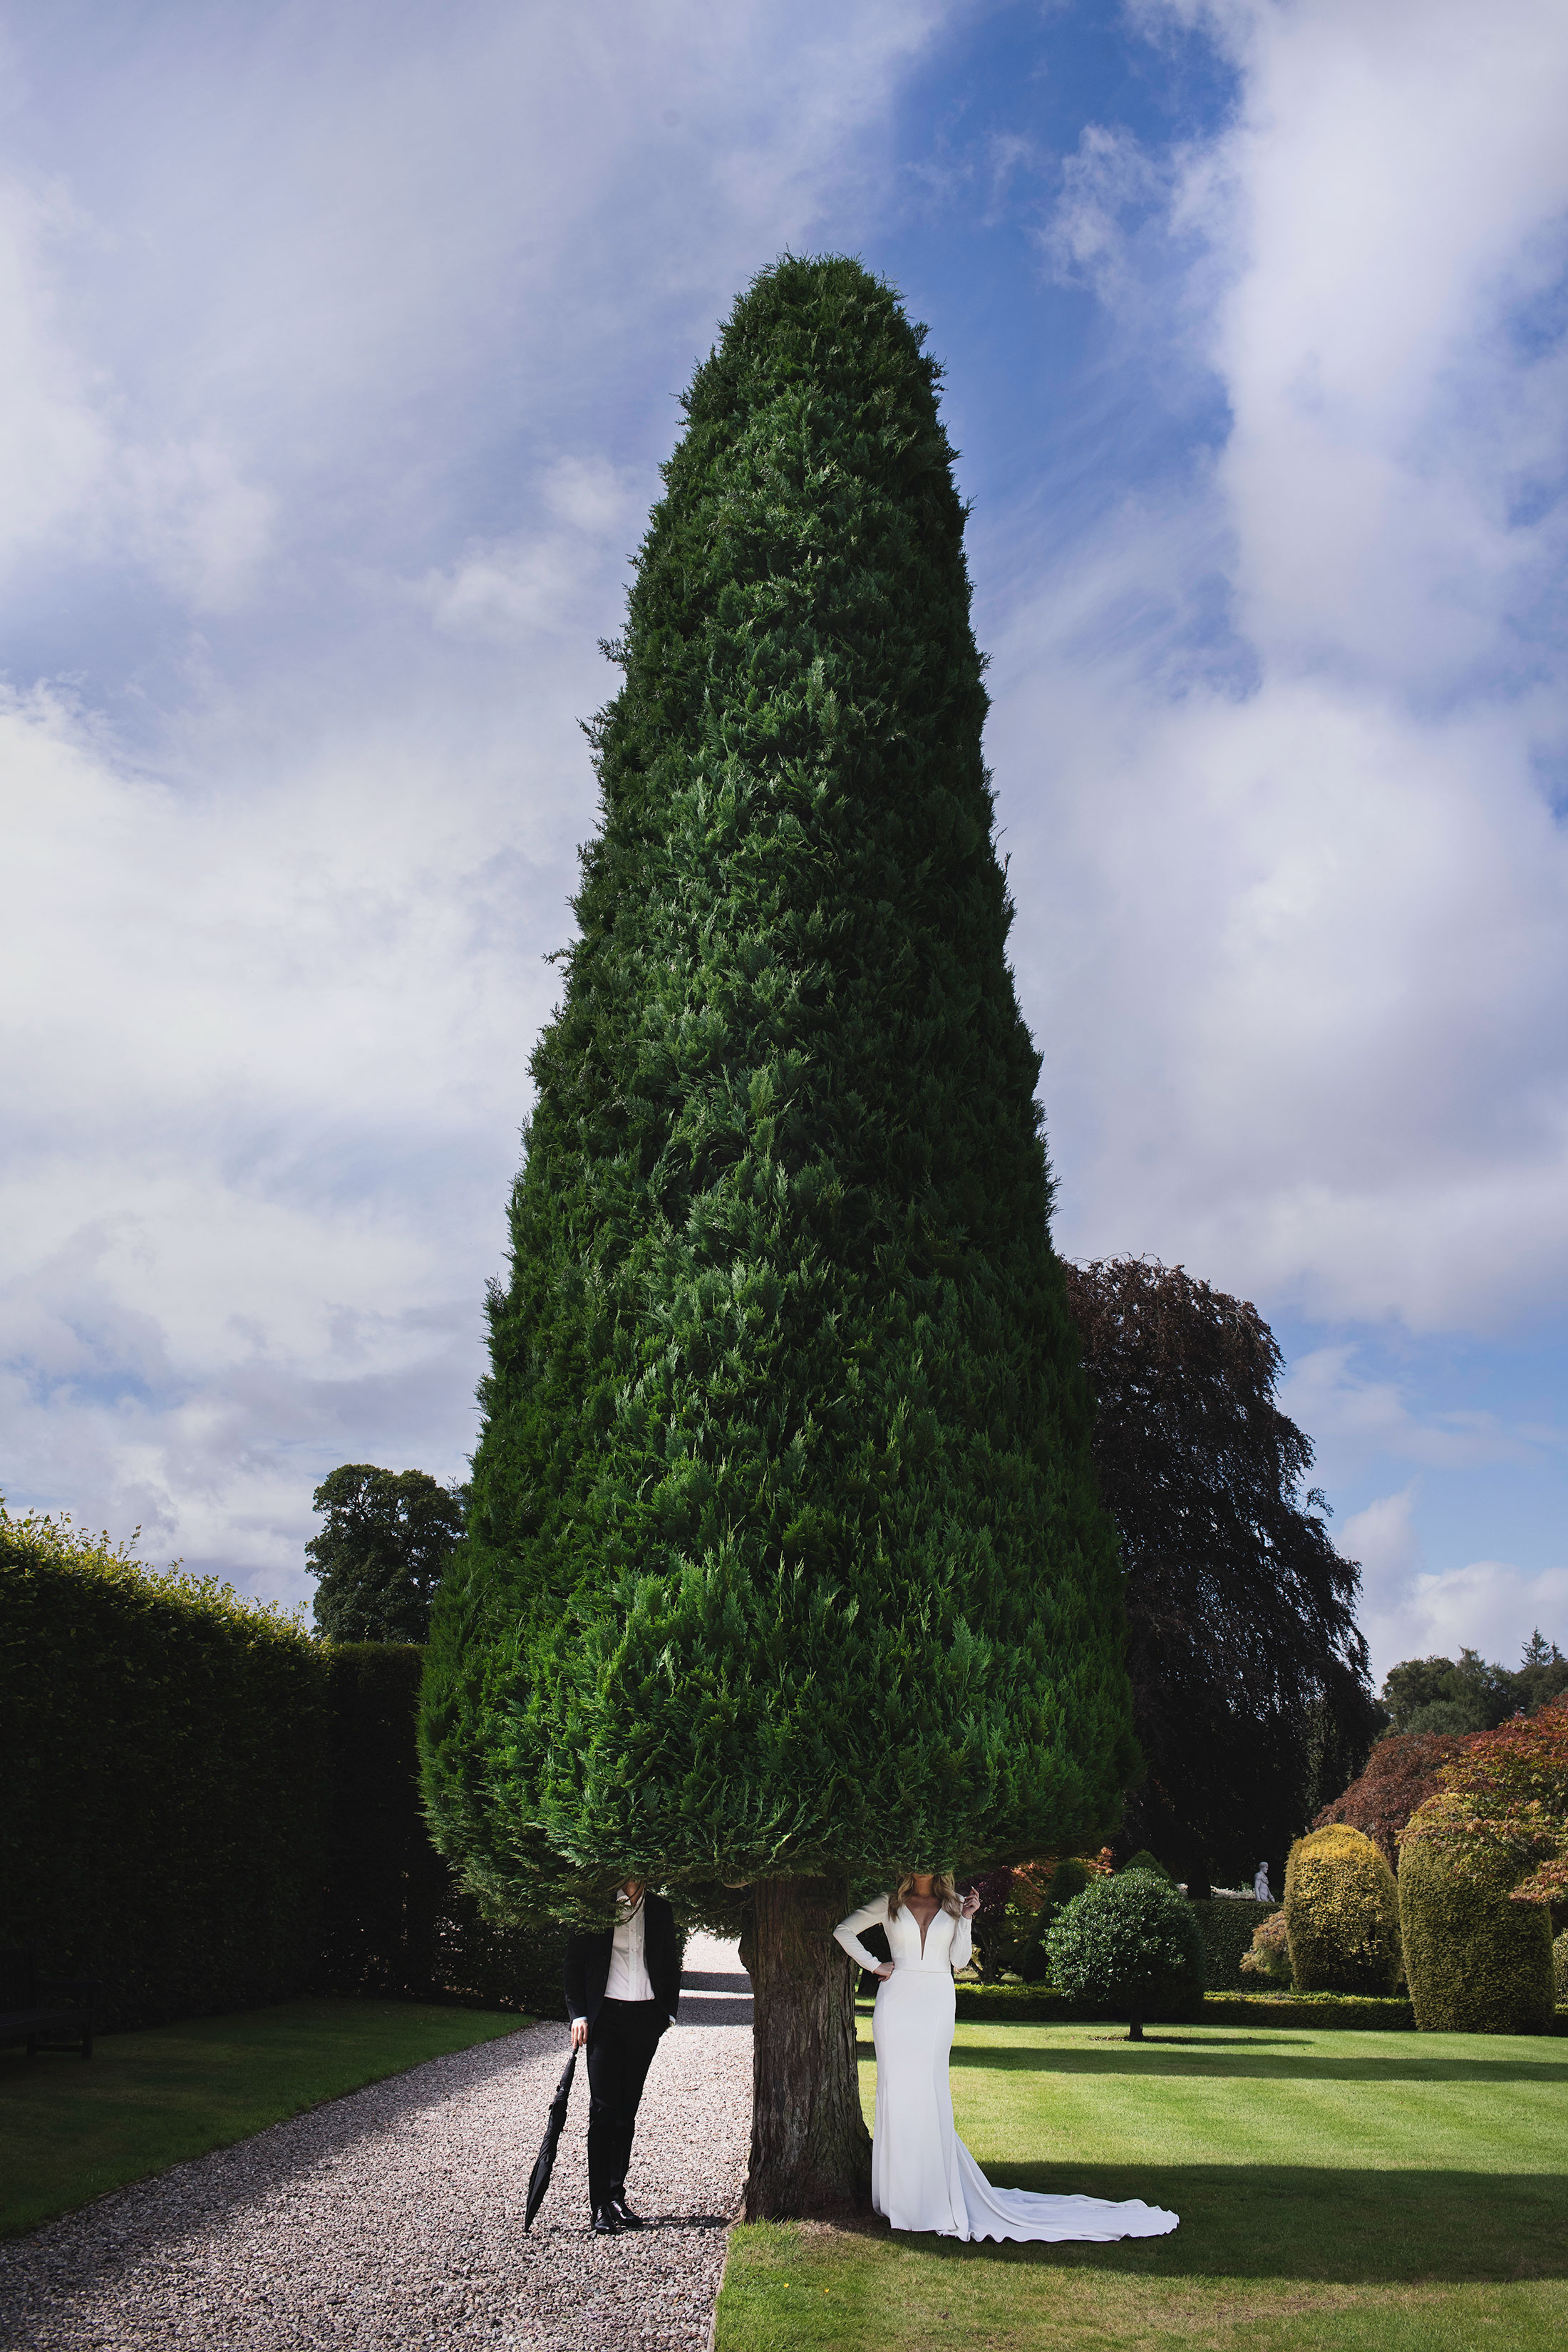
<point>785,1566</point>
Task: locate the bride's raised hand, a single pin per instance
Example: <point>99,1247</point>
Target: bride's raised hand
<point>970,1904</point>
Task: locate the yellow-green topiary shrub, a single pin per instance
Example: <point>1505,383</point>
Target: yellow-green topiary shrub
<point>1477,1962</point>
<point>1341,1914</point>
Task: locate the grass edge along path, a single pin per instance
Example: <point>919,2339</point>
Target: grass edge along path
<point>1398,2191</point>
<point>72,2129</point>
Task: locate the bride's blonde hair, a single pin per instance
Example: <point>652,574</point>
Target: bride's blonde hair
<point>941,1886</point>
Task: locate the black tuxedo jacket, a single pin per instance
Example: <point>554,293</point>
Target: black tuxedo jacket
<point>587,1968</point>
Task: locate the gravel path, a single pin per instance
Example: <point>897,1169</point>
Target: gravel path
<point>393,2217</point>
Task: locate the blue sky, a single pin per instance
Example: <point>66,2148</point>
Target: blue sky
<point>341,349</point>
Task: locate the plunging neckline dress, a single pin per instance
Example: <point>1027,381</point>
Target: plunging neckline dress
<point>922,2175</point>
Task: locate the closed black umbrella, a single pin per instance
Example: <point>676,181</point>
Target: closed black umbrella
<point>545,2162</point>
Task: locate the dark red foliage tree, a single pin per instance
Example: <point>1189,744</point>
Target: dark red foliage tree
<point>1249,1674</point>
<point>1401,1772</point>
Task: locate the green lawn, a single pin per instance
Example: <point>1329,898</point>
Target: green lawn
<point>72,2127</point>
<point>1339,2190</point>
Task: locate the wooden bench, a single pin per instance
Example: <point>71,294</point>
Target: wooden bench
<point>46,2013</point>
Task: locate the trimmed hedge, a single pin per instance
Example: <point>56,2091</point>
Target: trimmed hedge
<point>1477,1962</point>
<point>210,1811</point>
<point>167,1745</point>
<point>1385,2013</point>
<point>395,1921</point>
<point>1341,1914</point>
<point>1227,1929</point>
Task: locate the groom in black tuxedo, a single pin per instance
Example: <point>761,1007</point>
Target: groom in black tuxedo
<point>623,1987</point>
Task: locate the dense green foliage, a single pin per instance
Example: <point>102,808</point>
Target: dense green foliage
<point>1227,1927</point>
<point>1249,1688</point>
<point>385,1549</point>
<point>1131,1942</point>
<point>1467,1694</point>
<point>395,1921</point>
<point>1341,1914</point>
<point>784,1553</point>
<point>166,1748</point>
<point>1560,1964</point>
<point>1477,1963</point>
<point>209,1810</point>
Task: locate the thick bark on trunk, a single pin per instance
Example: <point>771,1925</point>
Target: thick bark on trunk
<point>811,2153</point>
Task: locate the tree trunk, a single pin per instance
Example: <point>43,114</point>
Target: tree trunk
<point>811,2153</point>
<point>1135,2029</point>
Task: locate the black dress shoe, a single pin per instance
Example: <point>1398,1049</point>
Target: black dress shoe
<point>605,2224</point>
<point>626,2218</point>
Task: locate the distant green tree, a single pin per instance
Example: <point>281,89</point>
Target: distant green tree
<point>785,1563</point>
<point>1467,1693</point>
<point>382,1552</point>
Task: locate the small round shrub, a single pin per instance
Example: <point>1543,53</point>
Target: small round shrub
<point>1341,1914</point>
<point>1477,1962</point>
<point>1269,1956</point>
<point>1129,1944</point>
<point>1144,1860</point>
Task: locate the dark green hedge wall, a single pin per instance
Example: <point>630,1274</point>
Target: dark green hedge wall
<point>395,1922</point>
<point>165,1745</point>
<point>1227,1927</point>
<point>210,1811</point>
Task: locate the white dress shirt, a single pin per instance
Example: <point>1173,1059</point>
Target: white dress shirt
<point>628,1978</point>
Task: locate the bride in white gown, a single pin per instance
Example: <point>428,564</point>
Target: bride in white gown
<point>922,2175</point>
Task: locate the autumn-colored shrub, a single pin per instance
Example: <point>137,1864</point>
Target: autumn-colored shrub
<point>1401,1772</point>
<point>1478,1962</point>
<point>1269,1956</point>
<point>1341,1914</point>
<point>1560,1964</point>
<point>1501,1808</point>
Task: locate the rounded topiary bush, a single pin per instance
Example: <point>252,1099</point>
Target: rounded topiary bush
<point>1341,1914</point>
<point>1477,1962</point>
<point>1144,1860</point>
<point>1132,1945</point>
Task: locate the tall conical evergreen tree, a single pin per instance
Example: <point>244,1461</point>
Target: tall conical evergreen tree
<point>785,1563</point>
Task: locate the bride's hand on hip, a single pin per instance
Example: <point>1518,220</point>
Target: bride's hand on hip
<point>884,1968</point>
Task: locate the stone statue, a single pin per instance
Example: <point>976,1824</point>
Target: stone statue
<point>1261,1886</point>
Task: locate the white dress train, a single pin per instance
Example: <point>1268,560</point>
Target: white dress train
<point>922,2175</point>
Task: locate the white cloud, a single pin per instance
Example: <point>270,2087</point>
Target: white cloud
<point>1270,740</point>
<point>340,351</point>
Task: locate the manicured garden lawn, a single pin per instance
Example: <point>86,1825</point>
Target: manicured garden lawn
<point>72,2127</point>
<point>1402,2191</point>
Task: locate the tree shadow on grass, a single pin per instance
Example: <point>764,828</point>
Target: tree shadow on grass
<point>1303,2222</point>
<point>1265,2059</point>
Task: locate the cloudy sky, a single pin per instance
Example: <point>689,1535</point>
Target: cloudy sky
<point>340,349</point>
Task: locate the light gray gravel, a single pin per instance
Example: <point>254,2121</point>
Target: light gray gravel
<point>393,2217</point>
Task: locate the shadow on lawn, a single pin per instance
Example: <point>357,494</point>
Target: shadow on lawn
<point>1266,2058</point>
<point>1303,2222</point>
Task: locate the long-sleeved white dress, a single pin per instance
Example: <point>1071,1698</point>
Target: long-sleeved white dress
<point>922,2175</point>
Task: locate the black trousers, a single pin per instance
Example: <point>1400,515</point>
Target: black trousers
<point>620,2052</point>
